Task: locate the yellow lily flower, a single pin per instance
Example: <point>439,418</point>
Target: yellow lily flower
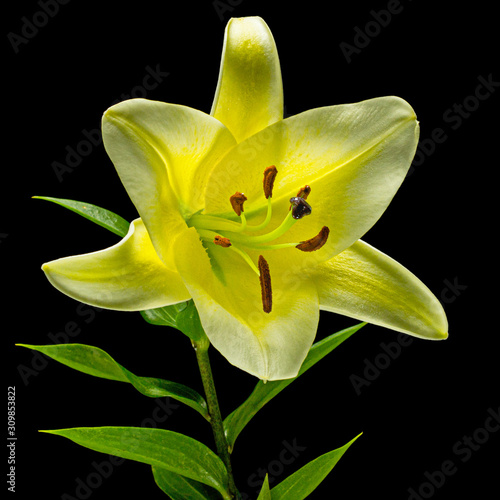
<point>224,218</point>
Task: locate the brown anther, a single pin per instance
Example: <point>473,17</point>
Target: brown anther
<point>269,176</point>
<point>265,285</point>
<point>237,201</point>
<point>314,243</point>
<point>221,241</point>
<point>304,192</point>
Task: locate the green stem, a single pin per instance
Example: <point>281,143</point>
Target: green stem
<point>201,348</point>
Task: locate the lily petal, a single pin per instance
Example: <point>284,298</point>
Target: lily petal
<point>162,153</point>
<point>128,276</point>
<point>249,94</point>
<point>270,346</point>
<point>353,156</point>
<point>365,284</point>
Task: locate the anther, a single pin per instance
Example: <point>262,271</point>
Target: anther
<point>300,207</point>
<point>237,201</point>
<point>265,285</point>
<point>304,192</point>
<point>221,241</point>
<point>315,243</point>
<point>269,176</point>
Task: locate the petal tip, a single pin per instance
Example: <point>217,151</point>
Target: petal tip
<point>442,335</point>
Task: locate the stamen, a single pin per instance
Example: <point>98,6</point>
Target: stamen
<point>287,223</point>
<point>210,227</point>
<point>315,243</point>
<point>221,241</point>
<point>300,207</point>
<point>213,223</point>
<point>304,192</point>
<point>226,243</point>
<point>246,258</point>
<point>237,201</point>
<point>269,176</point>
<point>266,221</point>
<point>265,285</point>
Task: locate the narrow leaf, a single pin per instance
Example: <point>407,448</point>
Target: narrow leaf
<point>265,492</point>
<point>263,393</point>
<point>157,447</point>
<point>96,362</point>
<point>303,482</point>
<point>101,216</point>
<point>179,487</point>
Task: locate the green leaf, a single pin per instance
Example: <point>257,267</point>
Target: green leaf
<point>264,392</point>
<point>179,487</point>
<point>265,493</point>
<point>101,216</point>
<point>303,482</point>
<point>183,316</point>
<point>157,447</point>
<point>98,363</point>
<point>164,316</point>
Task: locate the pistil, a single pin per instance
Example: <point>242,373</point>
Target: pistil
<point>287,223</point>
<point>234,236</point>
<point>300,207</point>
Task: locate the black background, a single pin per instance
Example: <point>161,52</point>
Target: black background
<point>415,412</point>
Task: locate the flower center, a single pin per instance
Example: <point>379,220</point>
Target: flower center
<point>238,237</point>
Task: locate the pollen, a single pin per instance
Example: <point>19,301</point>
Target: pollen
<point>316,242</point>
<point>269,176</point>
<point>222,241</point>
<point>304,192</point>
<point>237,201</point>
<point>265,285</point>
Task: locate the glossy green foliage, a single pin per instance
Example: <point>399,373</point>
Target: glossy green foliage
<point>96,362</point>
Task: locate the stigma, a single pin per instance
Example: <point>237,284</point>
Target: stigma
<point>300,207</point>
